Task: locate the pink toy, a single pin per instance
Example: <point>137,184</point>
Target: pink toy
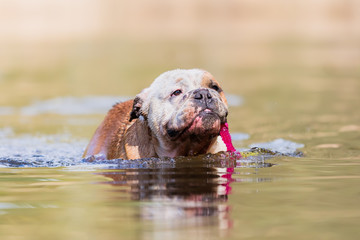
<point>225,135</point>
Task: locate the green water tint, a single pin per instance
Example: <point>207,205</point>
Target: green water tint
<point>256,151</point>
<point>306,92</point>
<point>205,198</point>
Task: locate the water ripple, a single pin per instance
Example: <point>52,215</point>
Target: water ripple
<point>29,151</point>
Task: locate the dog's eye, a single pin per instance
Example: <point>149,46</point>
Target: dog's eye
<point>176,93</point>
<point>215,87</point>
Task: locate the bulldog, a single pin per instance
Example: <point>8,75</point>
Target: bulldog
<point>180,114</point>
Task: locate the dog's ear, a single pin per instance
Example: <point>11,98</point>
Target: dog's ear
<point>135,112</point>
<point>139,108</point>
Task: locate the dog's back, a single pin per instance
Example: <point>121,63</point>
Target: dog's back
<point>112,128</point>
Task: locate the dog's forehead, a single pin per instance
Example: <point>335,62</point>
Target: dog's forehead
<point>189,79</point>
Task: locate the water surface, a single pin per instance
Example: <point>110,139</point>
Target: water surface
<point>50,109</point>
<point>47,190</point>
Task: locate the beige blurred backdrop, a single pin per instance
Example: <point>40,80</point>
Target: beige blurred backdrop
<point>56,21</point>
<point>97,43</point>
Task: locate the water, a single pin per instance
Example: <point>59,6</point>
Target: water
<point>308,190</point>
<point>47,190</point>
<point>148,198</point>
<point>303,107</point>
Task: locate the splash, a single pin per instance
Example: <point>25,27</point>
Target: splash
<point>38,151</point>
<point>28,151</point>
<point>281,146</point>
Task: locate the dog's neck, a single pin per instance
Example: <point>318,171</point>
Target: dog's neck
<point>139,146</point>
<point>187,147</point>
<point>138,140</point>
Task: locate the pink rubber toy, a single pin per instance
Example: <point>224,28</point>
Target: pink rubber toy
<point>225,136</point>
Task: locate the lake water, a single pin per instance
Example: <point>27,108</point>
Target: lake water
<point>48,192</point>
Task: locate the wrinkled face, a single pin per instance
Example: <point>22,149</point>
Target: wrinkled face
<point>182,104</point>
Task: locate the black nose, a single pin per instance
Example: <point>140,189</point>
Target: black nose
<point>202,94</point>
<point>203,97</point>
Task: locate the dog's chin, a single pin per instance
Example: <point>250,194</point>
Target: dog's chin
<point>204,126</point>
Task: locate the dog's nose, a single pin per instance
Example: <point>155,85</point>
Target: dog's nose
<point>202,94</point>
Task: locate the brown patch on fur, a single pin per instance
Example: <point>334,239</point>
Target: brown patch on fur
<point>117,137</point>
<point>179,80</point>
<point>208,81</point>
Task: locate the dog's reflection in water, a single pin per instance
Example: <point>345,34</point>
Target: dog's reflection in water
<point>181,196</point>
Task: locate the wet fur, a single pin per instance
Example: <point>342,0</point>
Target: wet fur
<point>139,128</point>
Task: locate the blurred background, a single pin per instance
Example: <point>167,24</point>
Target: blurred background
<point>292,62</point>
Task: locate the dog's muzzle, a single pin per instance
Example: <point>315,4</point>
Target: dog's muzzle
<point>203,97</point>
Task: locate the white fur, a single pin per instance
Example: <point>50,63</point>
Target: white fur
<point>161,108</point>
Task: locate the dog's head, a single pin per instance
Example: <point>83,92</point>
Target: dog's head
<point>182,107</point>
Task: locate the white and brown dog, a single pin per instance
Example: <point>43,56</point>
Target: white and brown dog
<point>180,114</point>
